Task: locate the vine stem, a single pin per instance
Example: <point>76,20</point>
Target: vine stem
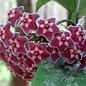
<point>66,20</point>
<point>77,11</point>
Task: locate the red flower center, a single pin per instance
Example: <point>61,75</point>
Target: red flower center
<point>46,26</point>
<point>36,53</point>
<point>81,33</point>
<point>25,21</point>
<point>63,39</point>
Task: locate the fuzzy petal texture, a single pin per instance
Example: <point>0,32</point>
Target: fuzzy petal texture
<point>77,34</point>
<point>54,54</point>
<point>37,52</point>
<point>62,41</point>
<point>17,45</point>
<point>27,22</point>
<point>14,15</point>
<point>47,28</point>
<point>6,34</point>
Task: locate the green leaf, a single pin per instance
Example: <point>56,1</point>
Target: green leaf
<point>49,74</point>
<point>68,4</point>
<point>41,3</point>
<point>83,8</point>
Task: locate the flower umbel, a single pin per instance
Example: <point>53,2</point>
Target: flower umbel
<point>23,55</point>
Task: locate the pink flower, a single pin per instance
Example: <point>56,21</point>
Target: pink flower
<point>77,34</point>
<point>5,34</point>
<point>14,15</point>
<point>27,22</point>
<point>47,28</point>
<point>24,67</point>
<point>17,45</point>
<point>37,52</point>
<point>73,54</point>
<point>62,41</point>
<point>6,55</point>
<point>15,69</point>
<point>54,53</point>
<point>30,65</point>
<point>26,63</point>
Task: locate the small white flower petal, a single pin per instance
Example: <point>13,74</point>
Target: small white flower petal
<point>32,52</point>
<point>29,20</point>
<point>76,56</point>
<point>44,31</point>
<point>77,33</point>
<point>50,30</point>
<point>17,45</point>
<point>11,41</point>
<point>67,38</point>
<point>46,22</point>
<point>26,16</point>
<point>54,52</point>
<point>63,34</point>
<point>71,51</point>
<point>51,24</point>
<point>21,18</point>
<point>39,57</point>
<point>13,11</point>
<point>60,43</point>
<point>80,38</point>
<point>21,24</point>
<point>42,25</point>
<point>66,43</point>
<point>10,47</point>
<point>3,36</point>
<point>72,55</point>
<point>15,49</point>
<point>79,29</point>
<point>36,48</point>
<point>78,51</point>
<point>26,25</point>
<point>40,52</point>
<point>59,38</point>
<point>11,15</point>
<point>33,57</point>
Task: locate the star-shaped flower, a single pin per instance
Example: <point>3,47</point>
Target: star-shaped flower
<point>30,65</point>
<point>28,22</point>
<point>73,54</point>
<point>6,54</point>
<point>14,15</point>
<point>37,52</point>
<point>62,41</point>
<point>54,53</point>
<point>77,34</point>
<point>47,28</point>
<point>17,45</point>
<point>15,69</point>
<point>5,34</point>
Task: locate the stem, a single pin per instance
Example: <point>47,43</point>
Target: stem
<point>66,20</point>
<point>69,17</point>
<point>77,11</point>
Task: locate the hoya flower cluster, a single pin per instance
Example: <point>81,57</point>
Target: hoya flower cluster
<point>23,56</point>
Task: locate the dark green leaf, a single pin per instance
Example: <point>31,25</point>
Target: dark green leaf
<point>68,4</point>
<point>41,3</point>
<point>83,8</point>
<point>49,75</point>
